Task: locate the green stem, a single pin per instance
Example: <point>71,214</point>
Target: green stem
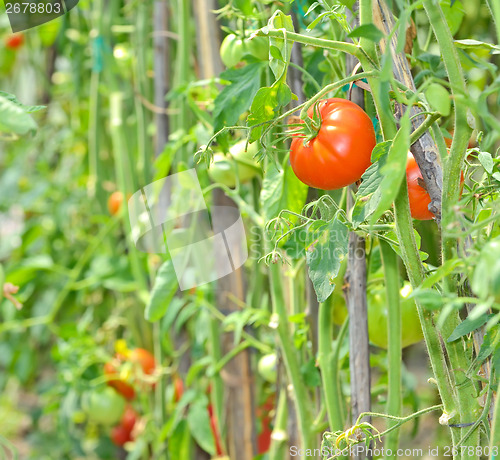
<point>144,145</point>
<point>301,397</point>
<point>495,12</point>
<point>428,122</point>
<point>495,431</point>
<point>279,437</point>
<point>182,71</point>
<point>348,48</point>
<point>217,394</point>
<point>466,390</point>
<point>408,246</point>
<point>390,261</point>
<point>328,364</point>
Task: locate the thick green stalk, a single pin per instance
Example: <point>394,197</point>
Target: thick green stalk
<point>144,144</point>
<point>406,237</point>
<point>184,51</point>
<point>301,398</point>
<point>495,432</point>
<point>94,129</point>
<point>217,394</point>
<point>410,254</point>
<point>466,391</point>
<point>279,437</point>
<point>494,6</point>
<point>329,368</point>
<point>391,272</point>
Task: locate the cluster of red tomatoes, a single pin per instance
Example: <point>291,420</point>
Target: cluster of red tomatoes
<point>341,152</point>
<point>108,405</point>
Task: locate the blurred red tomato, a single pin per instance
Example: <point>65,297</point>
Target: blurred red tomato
<point>129,418</point>
<point>139,357</point>
<point>178,388</point>
<point>119,435</point>
<point>14,41</point>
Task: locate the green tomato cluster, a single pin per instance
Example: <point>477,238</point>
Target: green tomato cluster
<point>239,163</point>
<point>234,49</point>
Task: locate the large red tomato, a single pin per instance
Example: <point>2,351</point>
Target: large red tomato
<point>341,151</point>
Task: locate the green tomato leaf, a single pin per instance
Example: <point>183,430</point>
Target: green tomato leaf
<point>163,292</point>
<point>14,118</point>
<point>454,14</point>
<point>368,31</point>
<point>281,190</point>
<point>467,326</point>
<point>310,373</point>
<point>486,161</point>
<point>438,98</point>
<point>430,299</point>
<point>266,105</point>
<point>236,97</point>
<point>326,248</point>
<point>199,425</point>
<point>27,108</point>
<point>179,442</point>
<point>393,169</point>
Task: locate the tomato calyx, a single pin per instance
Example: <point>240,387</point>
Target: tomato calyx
<point>305,126</point>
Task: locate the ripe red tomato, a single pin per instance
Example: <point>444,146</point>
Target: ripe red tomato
<point>129,418</point>
<point>115,201</point>
<point>341,151</point>
<point>178,388</point>
<point>264,438</point>
<point>120,435</point>
<point>119,385</point>
<point>215,431</point>
<point>139,357</point>
<point>144,358</point>
<point>418,196</point>
<point>14,41</point>
<point>264,415</point>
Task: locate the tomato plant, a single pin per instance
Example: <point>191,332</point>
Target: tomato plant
<point>340,152</point>
<point>14,41</point>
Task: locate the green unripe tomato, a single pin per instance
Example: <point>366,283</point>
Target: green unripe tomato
<point>377,317</point>
<point>223,169</point>
<point>268,367</point>
<point>104,406</point>
<point>233,49</point>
